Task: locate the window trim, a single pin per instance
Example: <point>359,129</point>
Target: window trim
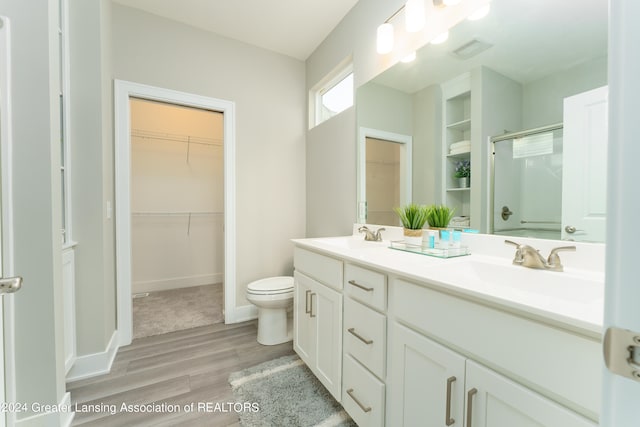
<point>328,82</point>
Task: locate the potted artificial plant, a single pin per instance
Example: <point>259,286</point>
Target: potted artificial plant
<point>463,173</point>
<point>438,217</point>
<point>413,218</point>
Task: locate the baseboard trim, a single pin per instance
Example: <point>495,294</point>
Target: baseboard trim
<point>63,416</point>
<point>242,314</point>
<point>176,283</point>
<point>95,364</point>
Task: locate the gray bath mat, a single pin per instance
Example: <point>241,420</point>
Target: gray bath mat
<point>284,392</point>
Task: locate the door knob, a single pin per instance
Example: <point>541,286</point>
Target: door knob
<point>10,285</point>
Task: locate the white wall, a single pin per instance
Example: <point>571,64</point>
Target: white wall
<point>39,365</point>
<point>91,144</point>
<point>268,90</point>
<point>543,99</point>
<point>173,176</point>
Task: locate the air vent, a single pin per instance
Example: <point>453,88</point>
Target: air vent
<point>471,49</point>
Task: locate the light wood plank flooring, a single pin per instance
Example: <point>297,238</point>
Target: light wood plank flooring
<point>175,368</point>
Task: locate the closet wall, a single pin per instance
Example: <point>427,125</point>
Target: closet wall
<point>177,197</point>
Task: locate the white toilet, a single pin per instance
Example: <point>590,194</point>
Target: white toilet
<point>273,297</point>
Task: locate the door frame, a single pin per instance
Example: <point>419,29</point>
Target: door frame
<point>406,150</point>
<point>7,327</point>
<point>123,90</point>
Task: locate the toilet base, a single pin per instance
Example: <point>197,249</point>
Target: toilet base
<point>272,326</point>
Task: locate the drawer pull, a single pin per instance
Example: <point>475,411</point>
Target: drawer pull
<point>470,394</point>
<point>353,332</point>
<point>447,418</point>
<point>358,285</point>
<point>307,310</point>
<point>311,306</point>
<point>355,399</point>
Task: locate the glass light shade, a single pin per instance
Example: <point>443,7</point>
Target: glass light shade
<point>441,38</point>
<point>414,15</point>
<point>480,13</point>
<point>409,58</point>
<point>385,38</point>
<point>451,2</point>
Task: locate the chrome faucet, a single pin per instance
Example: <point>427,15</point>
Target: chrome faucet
<point>371,236</point>
<point>528,256</point>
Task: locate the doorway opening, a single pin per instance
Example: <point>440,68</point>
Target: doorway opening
<point>177,218</point>
<point>157,211</point>
<point>384,175</point>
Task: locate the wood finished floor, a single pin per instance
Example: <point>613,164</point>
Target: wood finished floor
<point>175,368</point>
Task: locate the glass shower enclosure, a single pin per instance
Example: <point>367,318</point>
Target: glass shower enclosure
<point>527,183</point>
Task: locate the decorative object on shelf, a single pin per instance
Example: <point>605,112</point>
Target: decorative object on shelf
<point>413,218</point>
<point>449,252</point>
<point>438,217</point>
<point>463,173</point>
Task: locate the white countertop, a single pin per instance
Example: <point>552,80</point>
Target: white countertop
<point>573,299</point>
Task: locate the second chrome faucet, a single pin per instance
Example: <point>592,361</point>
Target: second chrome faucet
<point>528,256</point>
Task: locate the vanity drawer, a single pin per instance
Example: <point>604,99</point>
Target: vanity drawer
<point>362,394</point>
<point>320,267</point>
<point>365,336</point>
<point>366,286</point>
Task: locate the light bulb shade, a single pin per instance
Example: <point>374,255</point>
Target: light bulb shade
<point>480,13</point>
<point>451,2</point>
<point>385,38</point>
<point>409,58</point>
<point>414,15</point>
<point>441,38</point>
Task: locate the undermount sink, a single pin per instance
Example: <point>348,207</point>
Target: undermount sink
<point>524,283</point>
<point>350,242</point>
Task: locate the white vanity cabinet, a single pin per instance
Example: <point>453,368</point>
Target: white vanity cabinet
<point>317,316</point>
<point>429,380</point>
<point>431,385</point>
<point>365,345</point>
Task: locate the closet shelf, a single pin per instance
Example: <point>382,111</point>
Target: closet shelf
<point>186,139</point>
<point>176,213</point>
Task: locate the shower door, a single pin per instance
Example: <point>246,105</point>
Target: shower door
<point>527,183</point>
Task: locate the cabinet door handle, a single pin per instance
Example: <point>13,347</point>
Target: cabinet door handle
<point>311,306</point>
<point>355,399</point>
<point>353,332</point>
<point>358,285</point>
<point>306,302</point>
<point>470,395</point>
<point>447,418</point>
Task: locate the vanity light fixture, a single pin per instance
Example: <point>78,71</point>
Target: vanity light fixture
<point>414,15</point>
<point>441,38</point>
<point>480,13</point>
<point>385,38</point>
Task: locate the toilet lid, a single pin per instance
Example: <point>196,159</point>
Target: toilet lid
<point>272,285</point>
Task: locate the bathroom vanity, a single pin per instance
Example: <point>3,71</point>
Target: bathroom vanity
<point>405,339</point>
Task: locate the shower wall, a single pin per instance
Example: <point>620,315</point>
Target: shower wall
<point>177,196</point>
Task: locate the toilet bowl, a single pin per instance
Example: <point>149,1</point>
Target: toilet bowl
<point>273,296</point>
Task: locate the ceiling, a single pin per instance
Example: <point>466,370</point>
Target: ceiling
<point>291,27</point>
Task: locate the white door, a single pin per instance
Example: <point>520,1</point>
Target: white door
<point>7,285</point>
<point>426,384</point>
<point>584,178</point>
<point>304,328</point>
<point>620,395</point>
<point>495,401</point>
<point>326,310</point>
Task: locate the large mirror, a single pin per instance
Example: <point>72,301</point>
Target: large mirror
<point>509,79</point>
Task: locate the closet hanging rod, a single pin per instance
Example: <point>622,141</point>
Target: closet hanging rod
<point>176,213</point>
<point>187,139</point>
